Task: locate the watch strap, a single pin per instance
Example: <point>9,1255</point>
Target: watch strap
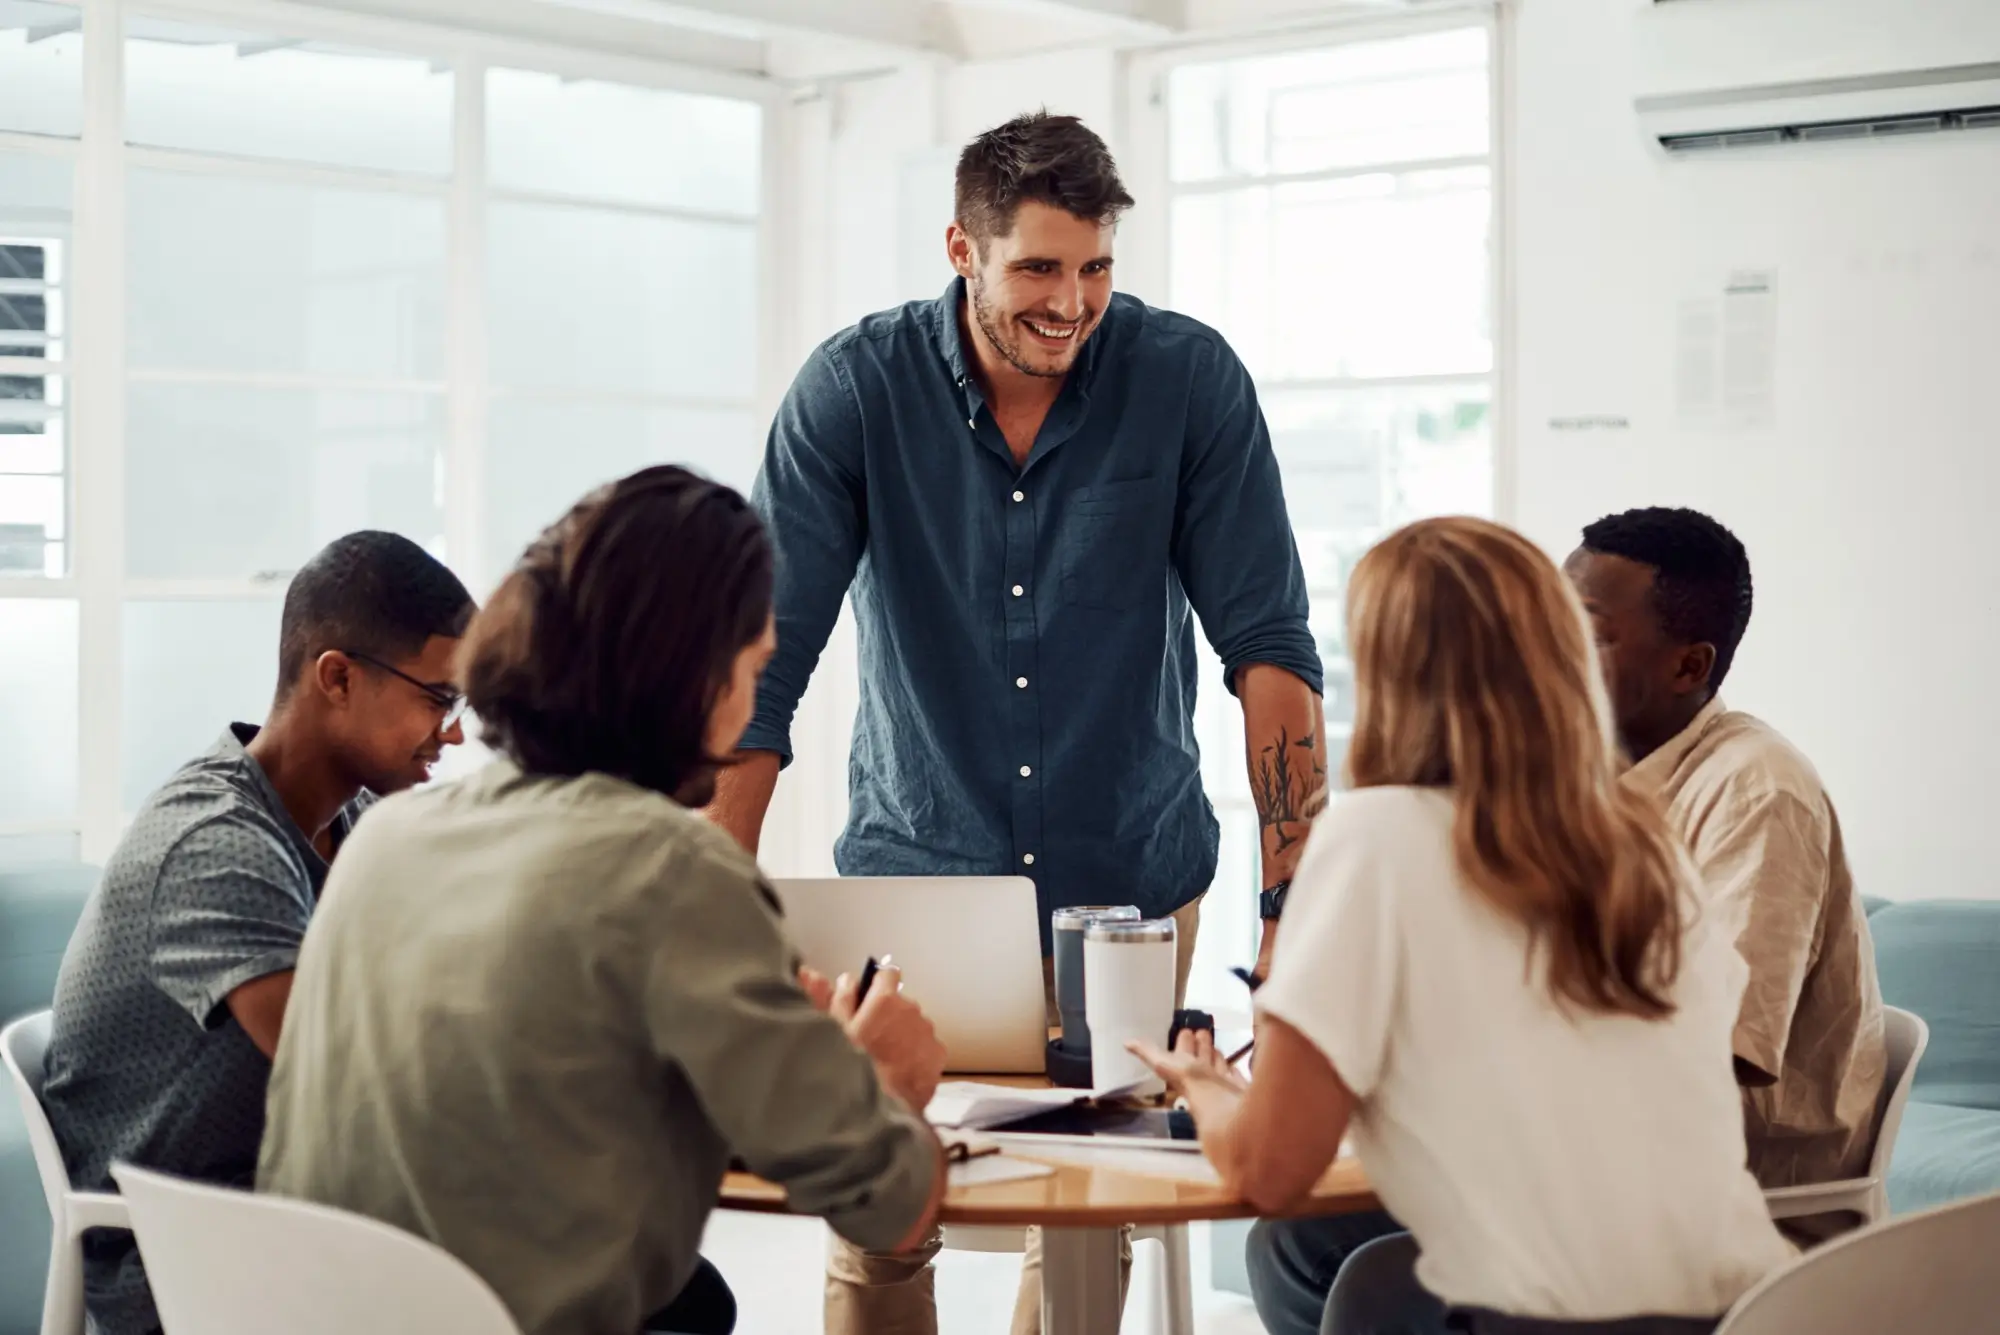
<point>1271,903</point>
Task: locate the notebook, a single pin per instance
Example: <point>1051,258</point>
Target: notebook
<point>969,1105</point>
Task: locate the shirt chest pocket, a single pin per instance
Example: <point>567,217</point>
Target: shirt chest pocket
<point>1114,544</point>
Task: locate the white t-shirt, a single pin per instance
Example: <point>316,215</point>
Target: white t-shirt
<point>1583,1166</point>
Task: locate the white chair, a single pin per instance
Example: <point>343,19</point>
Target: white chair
<point>1905,1035</point>
<point>224,1262</point>
<point>22,1045</point>
<point>1176,1277</point>
<point>1922,1273</point>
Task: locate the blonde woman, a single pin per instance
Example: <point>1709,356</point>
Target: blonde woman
<point>1495,977</point>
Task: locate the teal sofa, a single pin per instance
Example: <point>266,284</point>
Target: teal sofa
<point>39,906</point>
<point>1941,959</point>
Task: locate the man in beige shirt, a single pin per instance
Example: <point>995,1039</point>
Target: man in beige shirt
<point>1669,595</point>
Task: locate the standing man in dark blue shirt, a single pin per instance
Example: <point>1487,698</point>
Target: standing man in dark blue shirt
<point>1027,485</point>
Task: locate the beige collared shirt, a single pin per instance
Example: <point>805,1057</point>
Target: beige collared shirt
<point>1765,838</point>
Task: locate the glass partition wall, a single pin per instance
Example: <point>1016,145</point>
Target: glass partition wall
<point>261,288</point>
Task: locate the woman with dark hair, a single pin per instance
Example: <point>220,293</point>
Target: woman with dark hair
<point>542,1006</point>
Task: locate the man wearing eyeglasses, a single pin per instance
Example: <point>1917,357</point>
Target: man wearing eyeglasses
<point>172,993</point>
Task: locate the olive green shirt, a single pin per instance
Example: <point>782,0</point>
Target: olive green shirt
<point>533,1019</point>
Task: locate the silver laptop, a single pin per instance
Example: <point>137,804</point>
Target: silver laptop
<point>970,949</point>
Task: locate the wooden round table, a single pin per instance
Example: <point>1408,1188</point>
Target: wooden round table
<point>1081,1210</point>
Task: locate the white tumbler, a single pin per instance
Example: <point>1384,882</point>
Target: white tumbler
<point>1128,970</point>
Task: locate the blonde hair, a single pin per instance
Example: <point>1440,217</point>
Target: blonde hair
<point>1475,672</point>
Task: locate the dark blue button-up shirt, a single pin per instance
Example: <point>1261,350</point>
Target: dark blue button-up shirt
<point>1027,657</point>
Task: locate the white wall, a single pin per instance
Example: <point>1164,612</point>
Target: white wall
<point>1868,506</point>
<point>873,164</point>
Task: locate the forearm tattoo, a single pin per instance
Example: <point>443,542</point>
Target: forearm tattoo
<point>1288,782</point>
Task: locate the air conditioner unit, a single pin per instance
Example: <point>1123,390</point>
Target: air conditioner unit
<point>1735,73</point>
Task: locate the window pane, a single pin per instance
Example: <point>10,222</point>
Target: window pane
<point>1359,464</point>
<point>34,514</point>
<point>1362,462</point>
<point>41,67</point>
<point>34,194</point>
<point>34,227</point>
<point>191,669</point>
<point>1364,277</point>
<point>1407,100</point>
<point>242,275</point>
<point>1229,922</point>
<point>217,90</point>
<point>587,299</point>
<point>618,143</point>
<point>544,454</point>
<point>38,709</point>
<point>230,483</point>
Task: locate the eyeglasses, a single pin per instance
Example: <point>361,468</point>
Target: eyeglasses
<point>451,702</point>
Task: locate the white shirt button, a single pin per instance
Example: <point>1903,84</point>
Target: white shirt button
<point>1027,859</point>
<point>1018,591</point>
<point>971,423</point>
<point>1026,771</point>
<point>1021,682</point>
<point>1020,496</point>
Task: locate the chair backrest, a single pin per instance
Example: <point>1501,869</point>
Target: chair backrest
<point>1905,1035</point>
<point>1922,1272</point>
<point>22,1046</point>
<point>225,1262</point>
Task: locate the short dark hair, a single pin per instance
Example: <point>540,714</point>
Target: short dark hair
<point>1054,160</point>
<point>1701,575</point>
<point>368,593</point>
<point>607,646</point>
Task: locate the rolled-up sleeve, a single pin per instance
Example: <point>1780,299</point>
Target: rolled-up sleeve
<point>810,492</point>
<point>793,1097</point>
<point>1766,870</point>
<point>1233,545</point>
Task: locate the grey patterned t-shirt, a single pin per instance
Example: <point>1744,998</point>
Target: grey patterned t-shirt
<point>211,888</point>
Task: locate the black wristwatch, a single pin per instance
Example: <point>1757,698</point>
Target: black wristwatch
<point>1271,903</point>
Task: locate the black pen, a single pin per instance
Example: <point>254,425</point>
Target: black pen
<point>868,972</point>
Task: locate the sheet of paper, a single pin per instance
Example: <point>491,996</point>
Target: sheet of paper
<point>1698,361</point>
<point>967,1103</point>
<point>1750,350</point>
<point>1726,355</point>
<point>996,1168</point>
<point>1172,1164</point>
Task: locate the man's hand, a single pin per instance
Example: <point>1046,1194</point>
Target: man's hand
<point>894,1032</point>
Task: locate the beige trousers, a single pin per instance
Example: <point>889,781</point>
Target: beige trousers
<point>871,1293</point>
